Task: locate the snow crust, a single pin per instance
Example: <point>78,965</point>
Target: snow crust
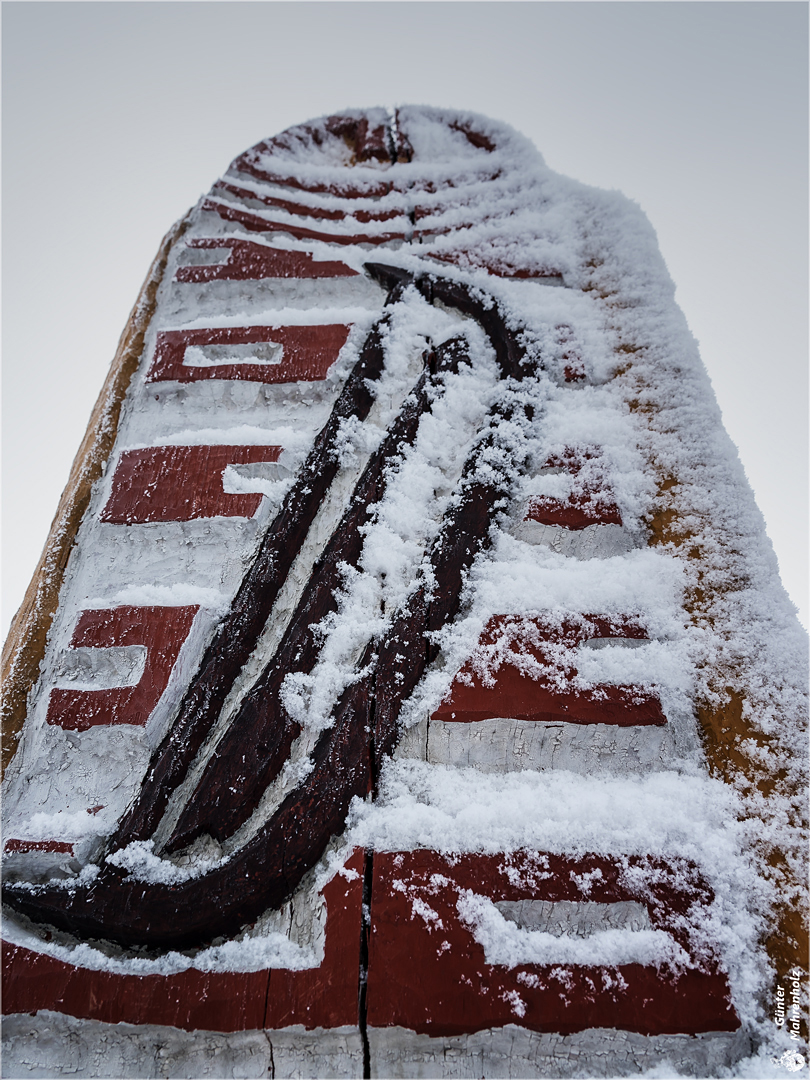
<point>506,944</point>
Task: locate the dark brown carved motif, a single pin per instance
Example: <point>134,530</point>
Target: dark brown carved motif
<point>347,756</point>
<point>258,742</point>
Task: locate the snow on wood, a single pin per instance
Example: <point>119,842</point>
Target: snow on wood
<point>421,697</point>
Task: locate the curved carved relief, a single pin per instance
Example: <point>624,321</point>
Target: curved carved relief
<point>347,755</point>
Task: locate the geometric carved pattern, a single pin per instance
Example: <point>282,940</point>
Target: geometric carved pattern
<point>323,996</point>
<point>181,483</point>
<point>255,223</point>
<point>445,986</point>
<point>443,945</point>
<point>161,629</point>
<point>326,213</point>
<point>307,353</point>
<point>511,692</point>
<point>264,871</point>
<point>249,261</point>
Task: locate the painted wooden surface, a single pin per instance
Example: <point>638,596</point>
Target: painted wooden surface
<point>251,583</point>
<point>242,260</point>
<point>179,483</point>
<point>527,695</point>
<point>308,353</point>
<point>444,986</point>
<point>323,996</point>
<point>160,630</point>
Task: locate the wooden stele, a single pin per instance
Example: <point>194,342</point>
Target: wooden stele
<point>402,638</point>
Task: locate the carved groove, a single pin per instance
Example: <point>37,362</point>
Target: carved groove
<point>237,634</point>
<point>257,744</point>
<point>347,756</point>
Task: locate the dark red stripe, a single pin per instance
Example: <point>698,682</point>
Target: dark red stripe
<point>181,483</point>
<point>445,987</point>
<point>254,223</point>
<point>252,262</point>
<point>24,846</point>
<point>324,996</point>
<point>308,353</point>
<point>302,210</point>
<point>509,692</point>
<point>163,630</point>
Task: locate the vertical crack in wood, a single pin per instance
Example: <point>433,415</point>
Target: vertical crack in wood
<point>365,935</point>
<point>267,1006</point>
<point>272,1058</point>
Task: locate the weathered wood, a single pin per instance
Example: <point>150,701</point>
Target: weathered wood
<point>257,743</point>
<point>238,632</point>
<point>265,871</point>
<point>24,647</point>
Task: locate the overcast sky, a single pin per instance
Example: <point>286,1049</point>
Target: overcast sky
<point>117,116</point>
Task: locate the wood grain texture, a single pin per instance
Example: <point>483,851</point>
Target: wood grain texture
<point>24,647</point>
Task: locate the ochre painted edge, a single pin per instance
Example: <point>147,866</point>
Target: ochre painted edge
<point>727,728</point>
<point>24,647</point>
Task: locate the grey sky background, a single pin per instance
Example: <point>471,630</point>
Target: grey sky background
<point>118,116</point>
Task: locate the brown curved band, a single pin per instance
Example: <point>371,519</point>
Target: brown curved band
<point>346,759</point>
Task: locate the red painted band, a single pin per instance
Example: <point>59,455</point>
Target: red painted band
<point>181,483</point>
<point>444,985</point>
<point>253,262</point>
<point>255,223</point>
<point>308,353</point>
<point>24,846</point>
<point>509,692</point>
<point>325,996</point>
<point>161,629</point>
<point>302,210</point>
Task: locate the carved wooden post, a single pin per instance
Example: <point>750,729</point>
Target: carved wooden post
<point>407,687</point>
